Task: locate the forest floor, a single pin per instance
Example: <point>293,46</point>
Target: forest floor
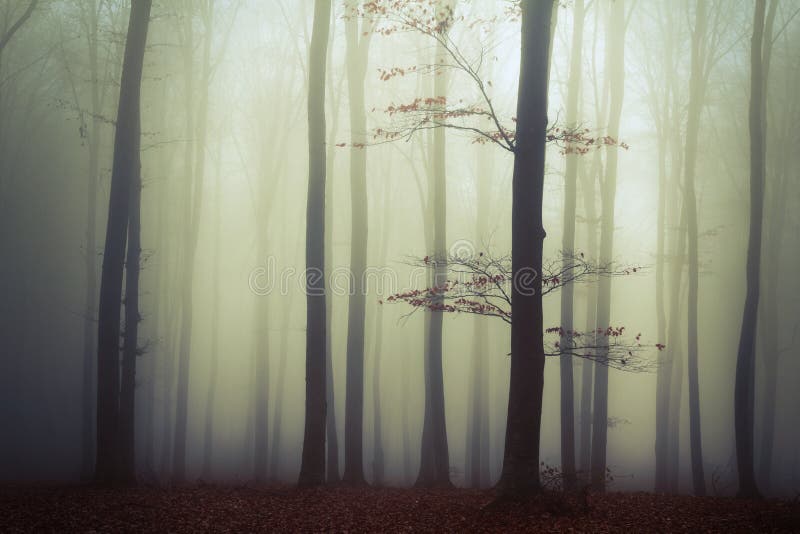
<point>200,508</point>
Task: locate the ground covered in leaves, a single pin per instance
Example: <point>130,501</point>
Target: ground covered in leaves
<point>284,509</point>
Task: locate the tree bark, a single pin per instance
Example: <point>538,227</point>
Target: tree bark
<point>745,362</point>
<point>520,474</point>
<point>312,469</point>
<point>127,419</point>
<point>125,172</point>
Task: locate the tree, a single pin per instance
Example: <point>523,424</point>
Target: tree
<point>745,360</point>
<point>434,469</point>
<point>696,97</point>
<point>312,468</point>
<point>8,33</point>
<point>568,245</point>
<point>520,472</point>
<point>194,175</point>
<point>482,285</point>
<point>358,39</point>
<point>124,175</point>
<point>615,69</point>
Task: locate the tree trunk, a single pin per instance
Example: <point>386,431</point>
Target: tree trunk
<point>125,172</point>
<point>332,450</point>
<point>696,98</point>
<point>90,258</point>
<point>615,65</point>
<point>261,408</point>
<point>357,49</point>
<point>745,361</point>
<point>567,248</point>
<point>208,439</point>
<point>520,474</point>
<point>127,419</point>
<point>378,467</point>
<point>434,455</point>
<point>312,469</point>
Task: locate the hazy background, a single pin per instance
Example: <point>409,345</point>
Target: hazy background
<point>257,148</point>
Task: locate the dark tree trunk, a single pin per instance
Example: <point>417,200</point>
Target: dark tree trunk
<point>127,408</point>
<point>745,361</point>
<point>125,172</point>
<point>520,473</point>
<point>312,469</point>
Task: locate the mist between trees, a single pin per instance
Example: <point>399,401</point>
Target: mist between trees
<point>395,242</point>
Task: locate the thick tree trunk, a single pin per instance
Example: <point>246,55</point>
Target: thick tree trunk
<point>745,361</point>
<point>615,66</point>
<point>125,172</point>
<point>312,469</point>
<point>520,473</point>
<point>567,248</point>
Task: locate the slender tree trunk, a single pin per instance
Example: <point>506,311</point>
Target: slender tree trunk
<point>208,438</point>
<point>125,172</point>
<point>662,114</point>
<point>696,97</point>
<point>567,248</point>
<point>377,428</point>
<point>195,174</point>
<point>434,454</point>
<point>312,469</point>
<point>90,258</point>
<point>127,418</point>
<point>478,436</point>
<point>334,96</point>
<point>261,411</point>
<point>357,49</point>
<point>615,62</point>
<point>745,361</point>
<point>520,473</point>
<point>275,450</point>
<point>587,365</point>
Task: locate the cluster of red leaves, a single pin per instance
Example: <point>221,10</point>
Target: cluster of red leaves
<point>283,509</point>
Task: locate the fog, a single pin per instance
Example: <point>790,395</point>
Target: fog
<point>225,192</point>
